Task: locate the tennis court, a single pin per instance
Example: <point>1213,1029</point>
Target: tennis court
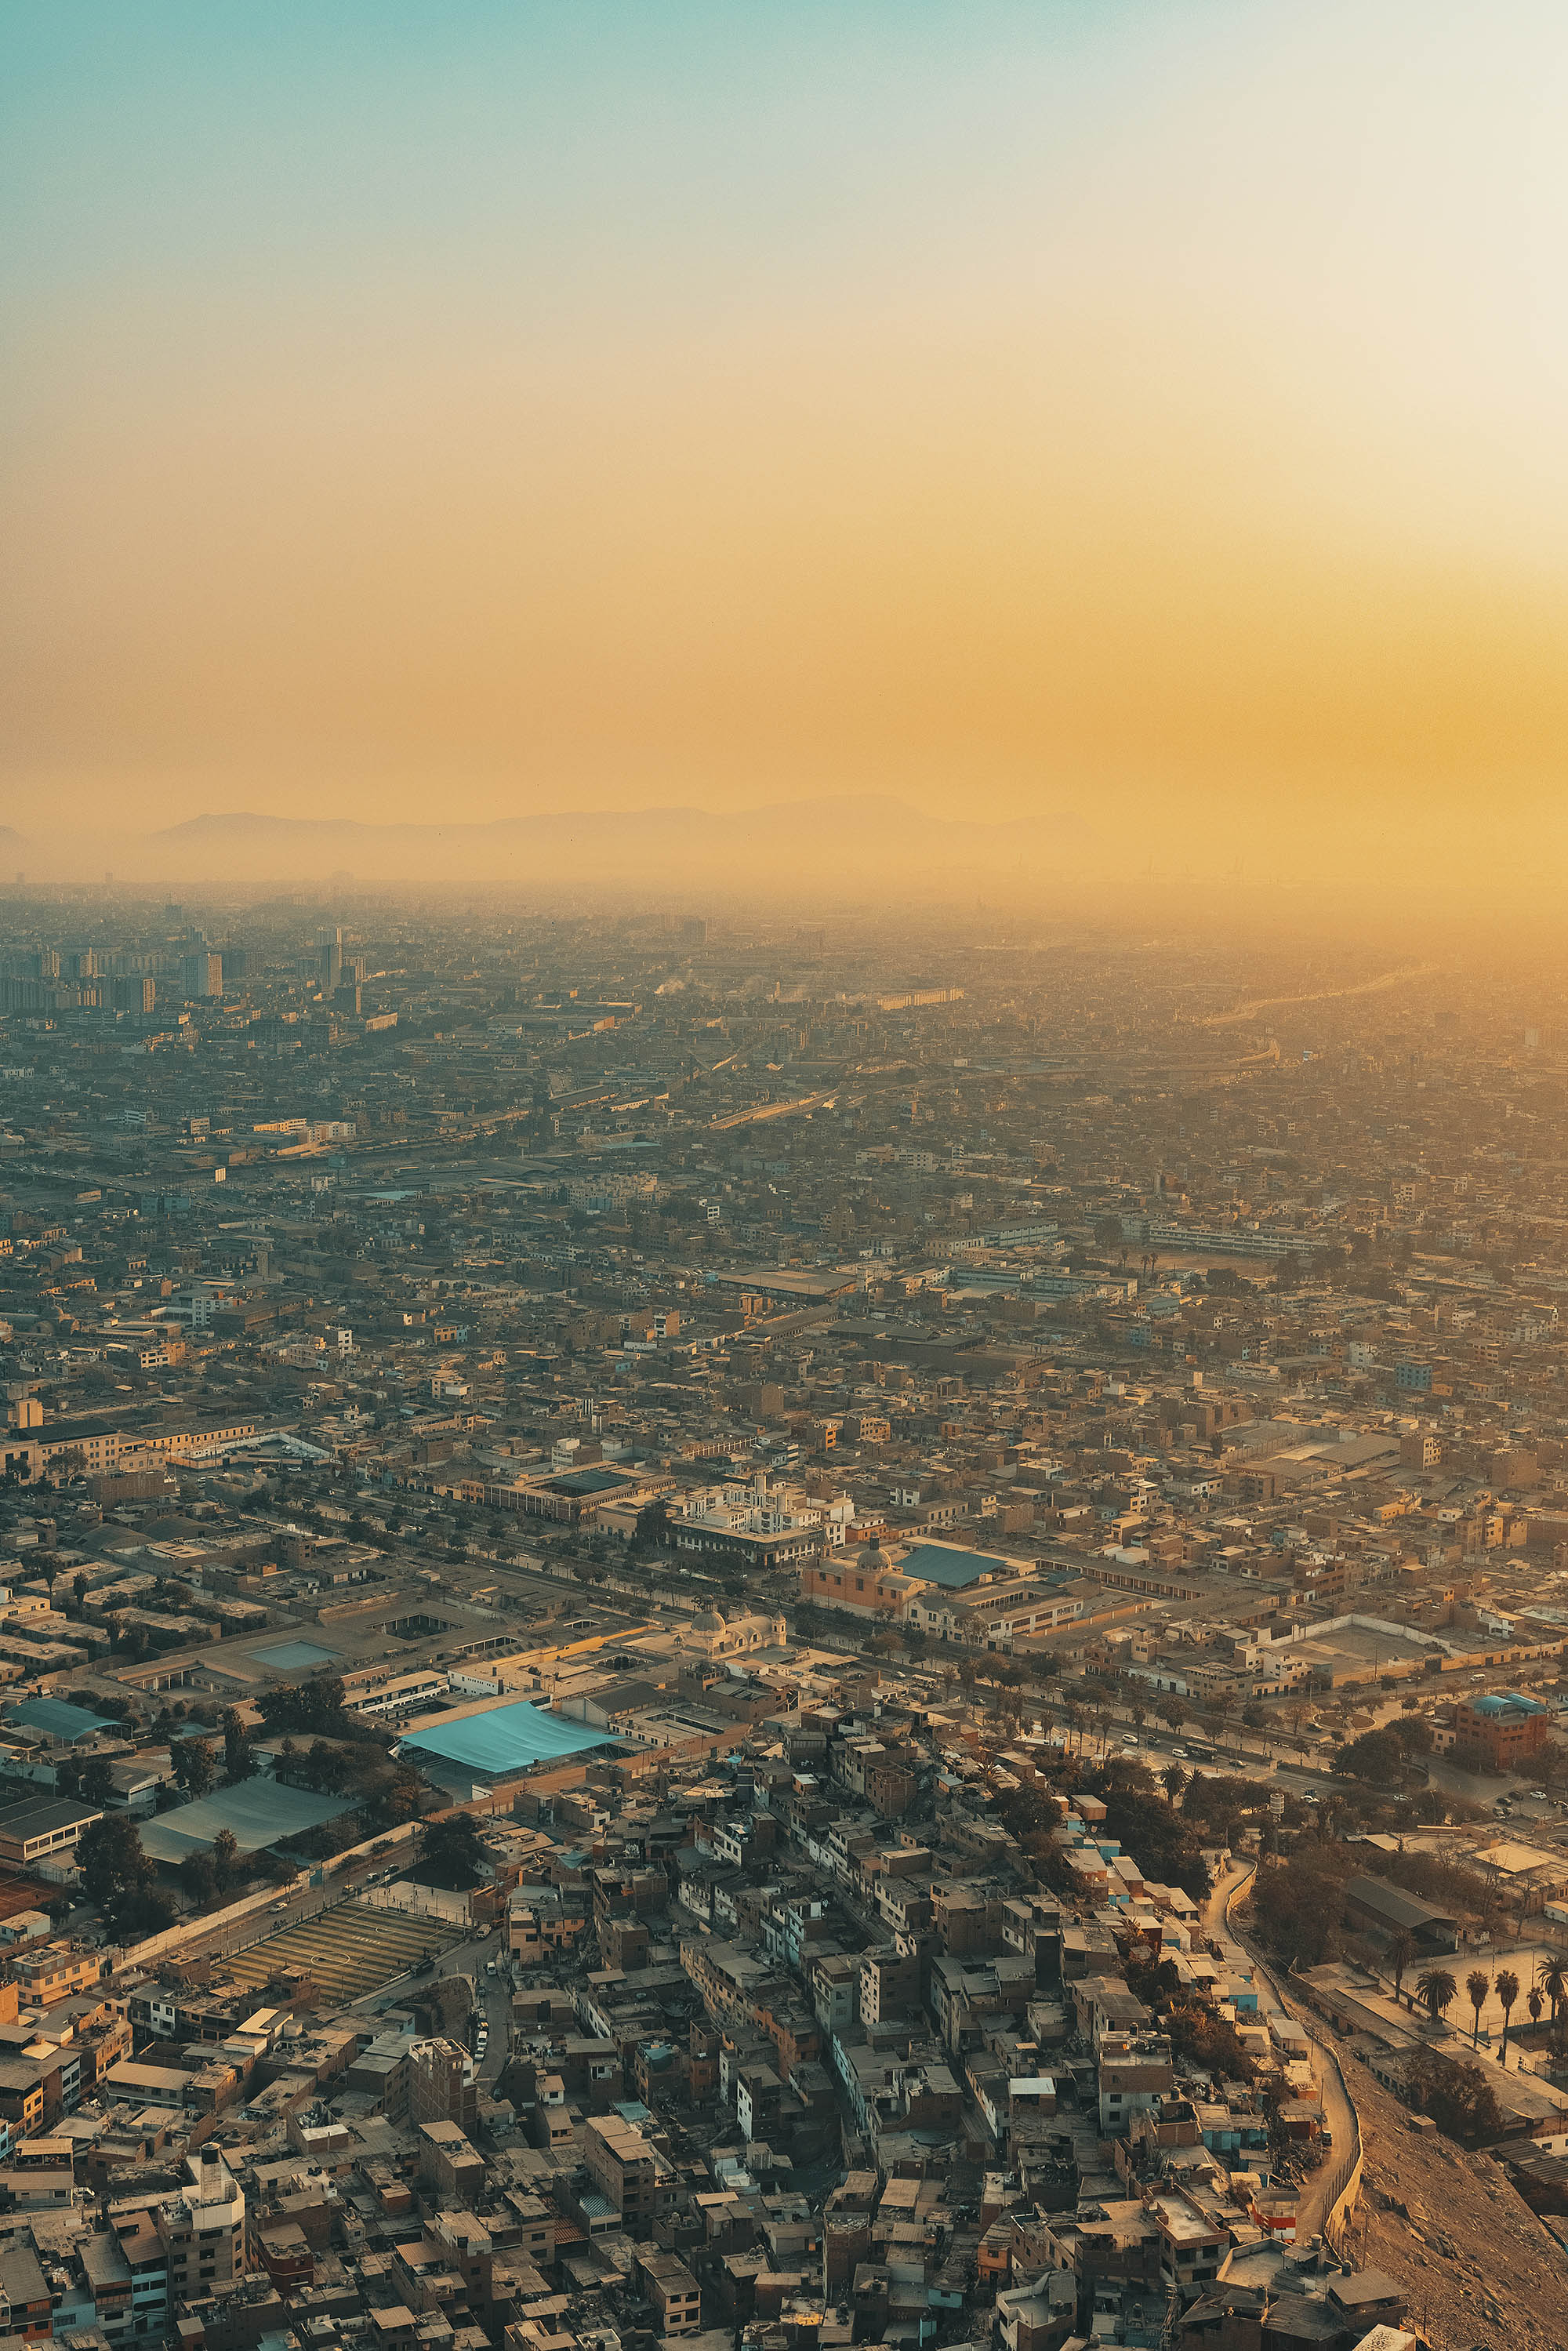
<point>346,1951</point>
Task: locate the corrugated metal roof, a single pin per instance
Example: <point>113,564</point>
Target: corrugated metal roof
<point>53,1718</point>
<point>257,1812</point>
<point>953,1569</point>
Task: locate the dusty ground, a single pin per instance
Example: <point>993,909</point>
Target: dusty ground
<point>1475,2263</point>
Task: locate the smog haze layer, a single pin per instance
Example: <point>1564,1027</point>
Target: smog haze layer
<point>993,447</point>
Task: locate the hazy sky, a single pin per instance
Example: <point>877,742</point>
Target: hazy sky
<point>1151,410</point>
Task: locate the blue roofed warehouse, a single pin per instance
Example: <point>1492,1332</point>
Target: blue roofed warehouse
<point>501,1741</point>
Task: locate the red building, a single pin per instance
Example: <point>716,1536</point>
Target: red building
<point>1498,1731</point>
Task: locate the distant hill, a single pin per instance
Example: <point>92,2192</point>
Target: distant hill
<point>790,840</point>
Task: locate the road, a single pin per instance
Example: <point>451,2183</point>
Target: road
<point>493,1993</point>
<point>1339,2113</point>
<point>1282,1763</point>
<point>289,1905</point>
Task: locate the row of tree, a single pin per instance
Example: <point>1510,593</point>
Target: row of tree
<point>1437,1990</point>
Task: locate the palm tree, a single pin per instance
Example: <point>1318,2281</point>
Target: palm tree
<point>1508,1992</point>
<point>1555,1984</point>
<point>1478,1984</point>
<point>1437,1991</point>
<point>1534,2004</point>
<point>1174,1780</point>
<point>1401,1952</point>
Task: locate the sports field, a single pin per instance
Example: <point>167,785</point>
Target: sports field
<point>346,1951</point>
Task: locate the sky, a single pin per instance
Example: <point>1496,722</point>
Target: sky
<point>1143,418</point>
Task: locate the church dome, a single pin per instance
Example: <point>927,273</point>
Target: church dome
<point>710,1621</point>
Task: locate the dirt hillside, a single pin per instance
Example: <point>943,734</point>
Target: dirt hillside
<point>1477,2264</point>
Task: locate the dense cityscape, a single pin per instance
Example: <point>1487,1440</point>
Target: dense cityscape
<point>774,1633</point>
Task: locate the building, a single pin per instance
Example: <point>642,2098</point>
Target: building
<point>43,1978</point>
<point>673,2291</point>
<point>443,2085</point>
<point>1498,1731</point>
<point>623,2167</point>
<point>1391,1911</point>
<point>35,1830</point>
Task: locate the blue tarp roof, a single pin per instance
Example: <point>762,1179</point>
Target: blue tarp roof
<point>951,1568</point>
<point>506,1738</point>
<point>53,1718</point>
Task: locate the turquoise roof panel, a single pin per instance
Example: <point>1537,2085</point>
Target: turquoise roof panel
<point>506,1738</point>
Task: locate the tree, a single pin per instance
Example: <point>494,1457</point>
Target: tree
<point>199,1878</point>
<point>1478,1984</point>
<point>1174,1780</point>
<point>194,1766</point>
<point>1534,2004</point>
<point>1299,1904</point>
<point>1377,1758</point>
<point>1164,1839</point>
<point>1555,1984</point>
<point>1437,1991</point>
<point>239,1756</point>
<point>225,1856</point>
<point>97,1781</point>
<point>112,1863</point>
<point>1401,1952</point>
<point>314,1706</point>
<point>652,1531</point>
<point>1507,1987</point>
<point>453,1847</point>
<point>1458,2096</point>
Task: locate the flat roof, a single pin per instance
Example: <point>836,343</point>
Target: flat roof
<point>294,1657</point>
<point>42,1815</point>
<point>825,1281</point>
